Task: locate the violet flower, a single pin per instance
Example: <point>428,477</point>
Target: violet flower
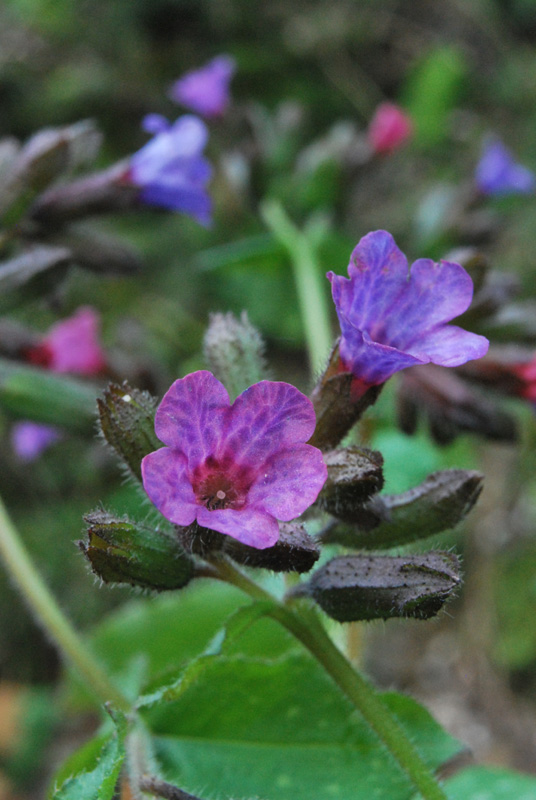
<point>498,174</point>
<point>392,319</point>
<point>170,170</point>
<point>206,90</point>
<point>238,468</point>
<point>72,345</point>
<point>389,128</point>
<point>30,439</point>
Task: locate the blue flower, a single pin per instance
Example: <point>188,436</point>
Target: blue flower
<point>171,170</point>
<point>497,173</point>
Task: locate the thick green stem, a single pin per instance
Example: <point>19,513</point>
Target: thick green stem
<point>308,630</point>
<point>49,615</point>
<point>310,288</point>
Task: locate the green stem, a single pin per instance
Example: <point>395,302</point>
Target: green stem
<point>310,288</point>
<point>47,612</point>
<point>306,627</point>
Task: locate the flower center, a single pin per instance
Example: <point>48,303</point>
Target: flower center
<point>220,486</point>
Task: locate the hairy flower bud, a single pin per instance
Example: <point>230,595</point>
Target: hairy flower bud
<point>354,475</point>
<point>359,587</point>
<point>234,352</point>
<point>121,551</point>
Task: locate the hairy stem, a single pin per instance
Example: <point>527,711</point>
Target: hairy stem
<point>305,626</point>
<point>47,612</point>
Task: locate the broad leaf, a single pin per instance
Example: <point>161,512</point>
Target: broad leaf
<point>482,783</point>
<point>281,730</point>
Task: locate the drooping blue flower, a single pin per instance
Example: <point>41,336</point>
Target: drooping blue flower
<point>171,170</point>
<point>206,90</point>
<point>392,318</point>
<point>238,468</point>
<point>498,174</point>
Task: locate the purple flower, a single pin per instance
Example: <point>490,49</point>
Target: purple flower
<point>30,439</point>
<point>497,173</point>
<point>238,468</point>
<point>206,90</point>
<point>392,319</point>
<point>170,169</point>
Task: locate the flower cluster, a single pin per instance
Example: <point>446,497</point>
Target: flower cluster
<point>238,468</point>
<point>392,319</point>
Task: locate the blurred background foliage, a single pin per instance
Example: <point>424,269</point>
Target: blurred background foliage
<point>309,77</point>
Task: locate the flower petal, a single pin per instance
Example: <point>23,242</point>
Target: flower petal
<point>191,415</point>
<point>290,482</point>
<point>268,417</point>
<point>371,362</point>
<point>249,525</point>
<point>434,294</point>
<point>450,346</point>
<point>167,483</point>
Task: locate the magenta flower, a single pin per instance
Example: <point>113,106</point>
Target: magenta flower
<point>238,468</point>
<point>206,90</point>
<point>30,439</point>
<point>392,319</point>
<point>170,170</point>
<point>72,345</point>
<point>497,173</point>
<point>389,128</point>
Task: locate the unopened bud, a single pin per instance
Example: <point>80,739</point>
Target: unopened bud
<point>126,418</point>
<point>121,551</point>
<point>294,551</point>
<point>354,474</point>
<point>234,352</point>
<point>437,504</point>
<point>359,587</point>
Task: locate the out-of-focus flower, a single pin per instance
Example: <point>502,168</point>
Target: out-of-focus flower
<point>206,90</point>
<point>72,345</point>
<point>527,374</point>
<point>238,468</point>
<point>392,319</point>
<point>171,171</point>
<point>497,173</point>
<point>30,439</point>
<point>389,128</point>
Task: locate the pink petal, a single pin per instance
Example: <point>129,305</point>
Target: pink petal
<point>290,482</point>
<point>167,483</point>
<point>74,343</point>
<point>267,417</point>
<point>191,415</point>
<point>249,526</point>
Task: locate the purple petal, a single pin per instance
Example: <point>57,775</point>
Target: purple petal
<point>290,482</point>
<point>371,362</point>
<point>191,415</point>
<point>268,417</point>
<point>167,483</point>
<point>378,273</point>
<point>497,173</point>
<point>206,90</point>
<point>434,294</point>
<point>30,439</point>
<point>450,346</point>
<point>249,526</point>
<point>155,123</point>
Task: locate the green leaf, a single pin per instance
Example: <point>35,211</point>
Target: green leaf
<point>482,783</point>
<point>281,730</point>
<point>98,776</point>
<point>31,393</point>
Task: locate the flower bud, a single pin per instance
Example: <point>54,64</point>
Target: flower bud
<point>126,419</point>
<point>354,474</point>
<point>359,587</point>
<point>121,551</point>
<point>294,551</point>
<point>234,352</point>
<point>437,504</point>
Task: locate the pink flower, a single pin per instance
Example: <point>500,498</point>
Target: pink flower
<point>206,90</point>
<point>389,128</point>
<point>238,468</point>
<point>72,345</point>
<point>392,318</point>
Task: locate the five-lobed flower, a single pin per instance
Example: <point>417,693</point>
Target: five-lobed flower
<point>392,319</point>
<point>238,468</point>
